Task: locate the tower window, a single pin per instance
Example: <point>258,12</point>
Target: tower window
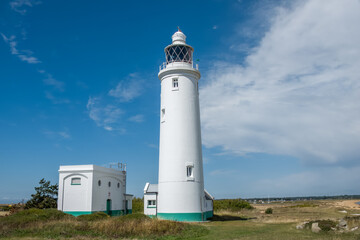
<point>118,185</point>
<point>109,184</point>
<point>189,171</point>
<point>76,181</point>
<point>99,183</point>
<point>162,115</point>
<point>175,83</point>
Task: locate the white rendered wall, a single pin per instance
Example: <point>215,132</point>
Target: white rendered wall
<point>104,192</point>
<point>75,197</point>
<point>129,199</point>
<point>208,205</point>
<point>89,196</point>
<point>149,210</point>
<point>180,142</point>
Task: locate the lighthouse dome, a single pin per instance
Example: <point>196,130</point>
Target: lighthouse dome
<point>178,37</point>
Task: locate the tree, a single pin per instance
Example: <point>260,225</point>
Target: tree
<point>45,196</point>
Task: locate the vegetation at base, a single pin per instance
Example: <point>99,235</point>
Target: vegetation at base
<point>51,223</point>
<point>231,205</point>
<point>5,208</point>
<point>303,205</point>
<point>269,211</point>
<point>45,196</point>
<point>324,225</point>
<point>92,217</point>
<point>138,205</point>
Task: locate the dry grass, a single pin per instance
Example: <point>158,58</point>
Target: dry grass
<point>54,224</point>
<point>115,227</point>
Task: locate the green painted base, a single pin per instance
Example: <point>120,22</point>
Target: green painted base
<point>186,217</point>
<point>111,213</point>
<point>208,214</point>
<point>78,213</point>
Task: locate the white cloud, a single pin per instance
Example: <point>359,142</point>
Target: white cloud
<point>23,55</point>
<point>107,116</point>
<point>54,99</point>
<point>137,118</point>
<point>58,134</point>
<point>127,89</point>
<point>20,6</point>
<point>298,92</point>
<point>49,80</point>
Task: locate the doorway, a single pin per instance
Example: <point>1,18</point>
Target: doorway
<point>108,207</point>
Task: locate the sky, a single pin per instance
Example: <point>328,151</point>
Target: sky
<point>279,92</point>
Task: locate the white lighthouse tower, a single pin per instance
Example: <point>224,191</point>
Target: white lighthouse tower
<point>180,191</point>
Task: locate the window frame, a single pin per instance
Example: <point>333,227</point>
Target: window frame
<point>189,168</point>
<point>151,203</point>
<point>175,84</point>
<point>75,178</point>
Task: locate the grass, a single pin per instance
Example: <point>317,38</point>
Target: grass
<point>50,223</point>
<point>226,224</point>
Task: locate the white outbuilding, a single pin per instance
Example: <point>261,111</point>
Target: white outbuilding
<point>85,189</point>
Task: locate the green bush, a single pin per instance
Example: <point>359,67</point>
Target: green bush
<point>93,216</point>
<point>137,216</point>
<point>137,205</point>
<point>32,215</point>
<point>269,211</point>
<point>326,225</point>
<point>231,205</point>
<point>5,208</point>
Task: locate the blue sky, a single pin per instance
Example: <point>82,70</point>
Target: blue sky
<point>279,92</point>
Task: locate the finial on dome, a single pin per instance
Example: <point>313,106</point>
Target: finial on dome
<point>178,37</point>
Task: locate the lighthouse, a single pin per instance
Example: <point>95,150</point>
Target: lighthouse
<point>179,194</point>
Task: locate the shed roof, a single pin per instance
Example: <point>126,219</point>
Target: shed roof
<point>208,195</point>
<point>151,188</point>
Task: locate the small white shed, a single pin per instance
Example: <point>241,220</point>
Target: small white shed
<point>85,189</point>
<point>150,199</point>
<point>151,202</point>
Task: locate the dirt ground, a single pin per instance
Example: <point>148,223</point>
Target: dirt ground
<point>350,204</point>
<point>3,213</point>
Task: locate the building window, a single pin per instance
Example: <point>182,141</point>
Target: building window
<point>162,115</point>
<point>175,84</point>
<point>76,181</point>
<point>99,183</point>
<point>109,184</point>
<point>118,185</point>
<point>151,203</point>
<point>189,171</point>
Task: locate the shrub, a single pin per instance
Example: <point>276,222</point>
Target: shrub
<point>269,211</point>
<point>137,216</point>
<point>138,205</point>
<point>93,216</point>
<point>231,205</point>
<point>5,208</point>
<point>326,225</point>
<point>45,196</point>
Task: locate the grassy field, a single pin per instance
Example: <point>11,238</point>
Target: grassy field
<point>244,224</point>
<point>281,224</point>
